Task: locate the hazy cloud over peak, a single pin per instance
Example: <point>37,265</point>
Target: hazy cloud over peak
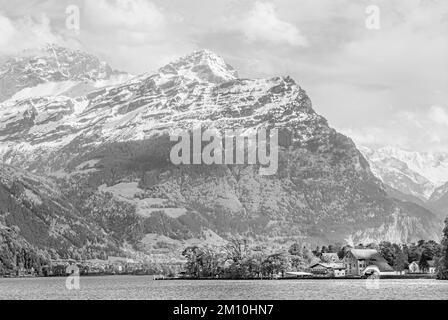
<point>136,15</point>
<point>263,24</point>
<point>25,32</point>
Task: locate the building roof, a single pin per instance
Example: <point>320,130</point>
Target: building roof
<point>374,256</point>
<point>364,254</point>
<point>383,266</point>
<point>330,256</point>
<point>299,273</point>
<point>329,265</point>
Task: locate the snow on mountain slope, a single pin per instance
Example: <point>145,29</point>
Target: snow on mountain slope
<point>415,173</point>
<point>110,150</point>
<point>200,88</point>
<point>44,90</point>
<point>51,70</point>
<point>439,193</point>
<point>203,66</point>
<point>68,88</point>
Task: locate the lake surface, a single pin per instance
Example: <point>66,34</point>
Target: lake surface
<point>138,288</point>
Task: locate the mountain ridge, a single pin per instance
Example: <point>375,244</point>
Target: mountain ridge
<point>108,152</point>
<point>424,171</point>
<point>50,63</point>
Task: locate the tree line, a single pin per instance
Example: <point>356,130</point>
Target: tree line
<point>398,256</point>
<point>442,263</point>
<point>239,260</point>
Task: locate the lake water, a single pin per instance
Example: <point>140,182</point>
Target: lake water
<point>135,287</point>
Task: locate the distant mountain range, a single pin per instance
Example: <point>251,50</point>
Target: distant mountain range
<point>421,177</point>
<point>86,168</point>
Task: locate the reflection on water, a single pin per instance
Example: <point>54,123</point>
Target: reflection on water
<point>124,287</point>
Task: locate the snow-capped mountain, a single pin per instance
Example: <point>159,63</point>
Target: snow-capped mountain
<point>109,148</point>
<point>203,66</point>
<point>414,173</point>
<point>53,70</point>
<point>198,89</point>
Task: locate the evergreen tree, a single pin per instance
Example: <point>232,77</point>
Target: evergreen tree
<point>413,253</point>
<point>423,263</point>
<point>343,251</point>
<point>387,250</point>
<point>442,273</point>
<point>295,249</point>
<point>400,262</point>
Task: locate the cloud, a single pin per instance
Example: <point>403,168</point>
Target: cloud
<point>364,137</point>
<point>411,117</point>
<point>26,32</point>
<point>132,35</point>
<point>7,30</point>
<point>439,115</point>
<point>417,130</point>
<point>263,24</point>
<point>138,16</point>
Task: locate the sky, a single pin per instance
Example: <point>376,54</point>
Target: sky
<point>376,69</point>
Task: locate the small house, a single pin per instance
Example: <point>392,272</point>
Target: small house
<point>431,268</point>
<point>414,267</point>
<point>357,260</point>
<point>328,269</point>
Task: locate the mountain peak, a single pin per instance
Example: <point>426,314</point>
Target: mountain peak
<point>51,50</point>
<point>203,66</point>
<point>50,63</point>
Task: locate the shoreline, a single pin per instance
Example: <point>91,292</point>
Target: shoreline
<point>160,278</point>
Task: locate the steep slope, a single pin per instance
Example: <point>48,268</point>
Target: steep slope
<point>405,197</point>
<point>49,70</point>
<point>41,216</point>
<point>412,176</point>
<point>413,173</point>
<point>110,150</point>
<point>16,252</point>
<point>439,201</point>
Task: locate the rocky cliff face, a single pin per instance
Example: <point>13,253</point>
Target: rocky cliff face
<point>108,151</point>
